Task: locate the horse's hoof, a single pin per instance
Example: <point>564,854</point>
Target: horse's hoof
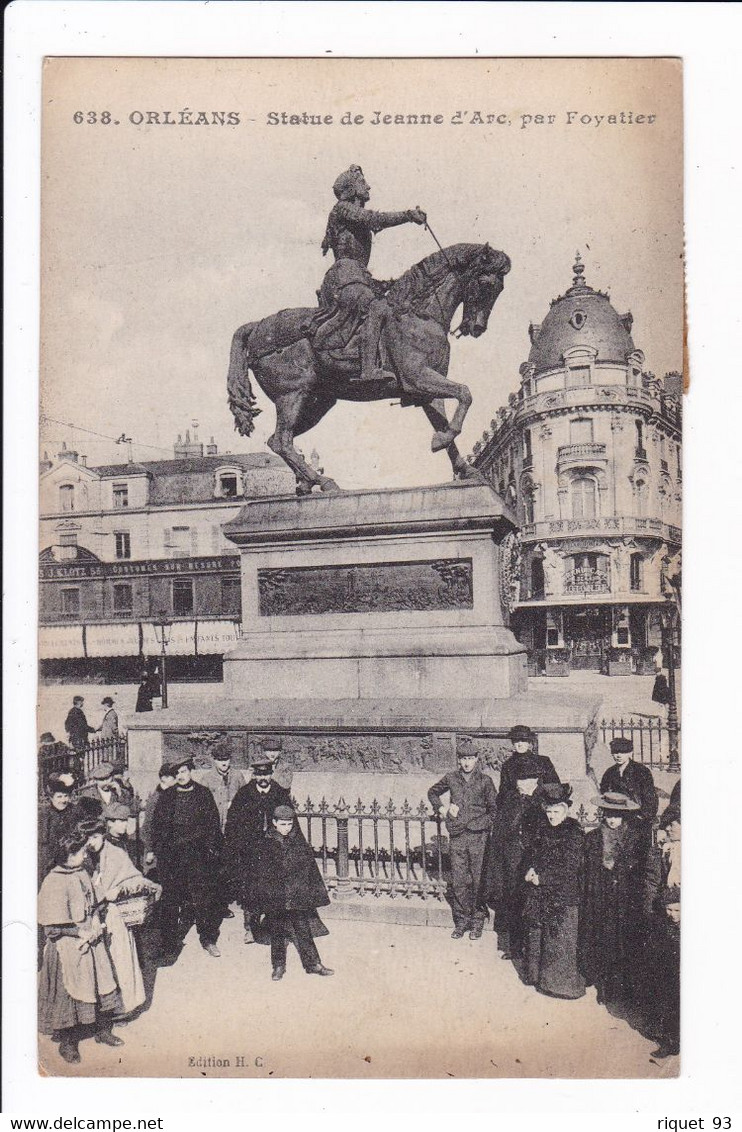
<point>467,472</point>
<point>330,487</point>
<point>303,488</point>
<point>441,440</point>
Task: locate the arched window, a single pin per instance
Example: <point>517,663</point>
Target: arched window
<point>584,503</point>
<point>67,497</point>
<point>528,506</point>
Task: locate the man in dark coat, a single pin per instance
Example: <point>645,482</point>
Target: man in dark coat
<point>469,816</point>
<point>77,727</point>
<point>99,792</point>
<point>287,886</point>
<point>522,757</point>
<point>614,921</point>
<point>187,841</point>
<point>248,820</point>
<point>516,821</point>
<point>633,779</point>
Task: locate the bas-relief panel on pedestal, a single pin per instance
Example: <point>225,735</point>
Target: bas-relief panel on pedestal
<point>385,753</point>
<point>379,587</point>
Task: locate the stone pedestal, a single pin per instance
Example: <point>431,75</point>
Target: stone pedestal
<point>374,594</point>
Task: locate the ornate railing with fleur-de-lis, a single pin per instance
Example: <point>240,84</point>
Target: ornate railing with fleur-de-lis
<point>375,849</point>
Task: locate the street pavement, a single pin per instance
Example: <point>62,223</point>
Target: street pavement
<point>404,1002</point>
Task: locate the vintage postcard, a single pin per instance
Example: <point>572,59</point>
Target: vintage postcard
<point>360,568</point>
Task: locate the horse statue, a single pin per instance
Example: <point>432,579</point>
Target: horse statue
<point>305,361</point>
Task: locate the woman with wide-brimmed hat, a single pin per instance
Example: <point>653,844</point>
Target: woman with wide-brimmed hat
<point>613,923</point>
<point>551,909</point>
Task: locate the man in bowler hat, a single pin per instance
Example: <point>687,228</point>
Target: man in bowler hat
<point>248,820</point>
<point>187,841</point>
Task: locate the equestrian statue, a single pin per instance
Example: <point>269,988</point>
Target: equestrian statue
<point>367,340</point>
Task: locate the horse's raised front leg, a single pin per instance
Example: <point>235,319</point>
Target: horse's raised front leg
<point>436,414</point>
<point>289,410</point>
<point>427,383</point>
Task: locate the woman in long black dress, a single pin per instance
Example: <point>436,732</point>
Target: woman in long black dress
<point>553,879</point>
<point>613,925</point>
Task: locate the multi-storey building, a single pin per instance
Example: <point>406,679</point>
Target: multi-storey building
<point>125,544</point>
<point>588,452</point>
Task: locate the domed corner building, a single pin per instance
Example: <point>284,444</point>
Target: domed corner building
<point>588,454</point>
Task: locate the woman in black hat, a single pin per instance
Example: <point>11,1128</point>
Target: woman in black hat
<point>553,878</point>
<point>613,921</point>
<point>524,743</point>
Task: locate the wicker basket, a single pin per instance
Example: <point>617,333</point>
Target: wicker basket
<point>134,910</point>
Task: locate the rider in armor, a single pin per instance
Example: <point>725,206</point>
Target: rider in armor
<point>348,285</point>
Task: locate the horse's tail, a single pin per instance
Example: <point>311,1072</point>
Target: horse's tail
<point>240,395</point>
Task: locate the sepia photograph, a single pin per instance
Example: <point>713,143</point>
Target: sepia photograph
<point>359,568</point>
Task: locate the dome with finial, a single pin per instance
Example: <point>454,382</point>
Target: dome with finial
<point>580,317</point>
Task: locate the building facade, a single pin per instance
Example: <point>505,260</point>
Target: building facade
<point>589,454</point>
<point>124,545</point>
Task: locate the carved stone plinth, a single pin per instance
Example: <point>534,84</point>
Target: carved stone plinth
<point>374,594</point>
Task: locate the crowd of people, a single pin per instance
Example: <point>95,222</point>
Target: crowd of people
<point>206,844</point>
<point>571,909</point>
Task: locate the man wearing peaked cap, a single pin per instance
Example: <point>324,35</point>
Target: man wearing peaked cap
<point>100,791</point>
<point>248,819</point>
<point>631,778</point>
<point>116,816</point>
<point>522,757</point>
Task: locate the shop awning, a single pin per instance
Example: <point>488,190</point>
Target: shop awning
<point>59,642</point>
<point>112,640</point>
<point>189,638</point>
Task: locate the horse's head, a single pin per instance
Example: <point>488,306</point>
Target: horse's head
<point>483,283</point>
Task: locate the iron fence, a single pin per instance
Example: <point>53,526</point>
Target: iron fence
<point>374,849</point>
<point>60,758</point>
<point>650,736</point>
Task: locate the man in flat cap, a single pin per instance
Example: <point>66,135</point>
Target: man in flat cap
<point>116,816</point>
<point>631,778</point>
<point>99,792</point>
<point>287,886</point>
<point>469,814</point>
<point>348,285</point>
<point>524,757</point>
<point>187,841</point>
<point>249,819</point>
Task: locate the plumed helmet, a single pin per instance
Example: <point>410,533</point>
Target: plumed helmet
<point>345,184</point>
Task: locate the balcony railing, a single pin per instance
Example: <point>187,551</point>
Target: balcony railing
<point>580,452</point>
<point>587,582</point>
<point>616,524</point>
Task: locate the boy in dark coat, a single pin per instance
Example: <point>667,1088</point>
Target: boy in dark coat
<point>287,886</point>
<point>248,820</point>
<point>523,756</point>
<point>469,815</point>
<point>187,841</point>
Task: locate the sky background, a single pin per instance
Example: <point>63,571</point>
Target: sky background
<point>159,241</point>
